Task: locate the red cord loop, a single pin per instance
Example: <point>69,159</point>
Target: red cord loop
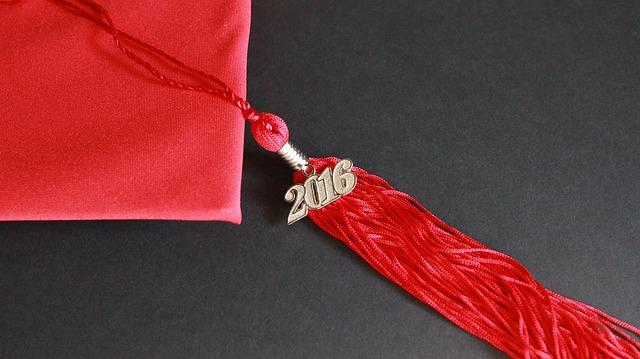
<point>128,43</point>
<point>250,114</point>
<point>269,130</point>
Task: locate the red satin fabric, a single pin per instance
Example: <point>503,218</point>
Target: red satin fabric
<point>485,292</point>
<point>85,134</point>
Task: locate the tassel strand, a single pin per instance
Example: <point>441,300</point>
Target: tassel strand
<point>485,292</point>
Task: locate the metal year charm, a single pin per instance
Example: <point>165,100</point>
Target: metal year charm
<point>320,190</point>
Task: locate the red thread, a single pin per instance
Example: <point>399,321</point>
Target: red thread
<point>485,292</point>
<point>98,14</point>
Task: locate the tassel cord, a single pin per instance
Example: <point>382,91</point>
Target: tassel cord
<point>95,12</point>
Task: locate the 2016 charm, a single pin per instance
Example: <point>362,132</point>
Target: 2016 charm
<point>320,190</point>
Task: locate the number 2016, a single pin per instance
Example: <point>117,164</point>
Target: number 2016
<point>320,190</point>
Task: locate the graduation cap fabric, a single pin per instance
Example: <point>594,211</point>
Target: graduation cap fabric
<point>85,135</point>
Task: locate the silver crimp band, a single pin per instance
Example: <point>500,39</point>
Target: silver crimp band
<point>294,157</point>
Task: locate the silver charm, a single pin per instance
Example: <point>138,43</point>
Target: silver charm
<point>319,190</point>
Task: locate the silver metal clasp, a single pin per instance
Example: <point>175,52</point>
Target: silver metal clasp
<point>294,157</point>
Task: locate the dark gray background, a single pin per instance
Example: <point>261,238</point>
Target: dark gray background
<point>516,121</point>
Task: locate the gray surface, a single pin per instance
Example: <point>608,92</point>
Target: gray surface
<point>517,122</point>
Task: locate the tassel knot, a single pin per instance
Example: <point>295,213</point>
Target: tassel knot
<point>270,132</point>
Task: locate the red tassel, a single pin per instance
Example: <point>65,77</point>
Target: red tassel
<point>485,292</point>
